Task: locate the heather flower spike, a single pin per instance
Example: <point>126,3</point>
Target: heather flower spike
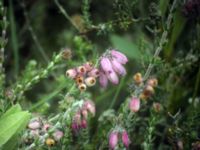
<point>125,139</point>
<point>113,140</point>
<point>134,104</point>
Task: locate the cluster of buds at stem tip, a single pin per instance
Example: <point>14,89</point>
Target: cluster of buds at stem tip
<point>84,76</point>
<point>111,67</point>
<point>116,136</point>
<point>147,86</point>
<point>81,116</point>
<point>38,128</point>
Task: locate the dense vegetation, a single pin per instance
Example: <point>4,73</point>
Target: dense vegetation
<point>118,74</point>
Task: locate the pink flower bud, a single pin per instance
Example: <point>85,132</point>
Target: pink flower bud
<point>46,126</point>
<point>81,70</point>
<point>112,76</point>
<point>120,57</point>
<point>88,66</point>
<point>34,133</point>
<point>89,105</point>
<point>58,135</point>
<point>134,104</point>
<point>94,73</point>
<point>83,124</point>
<point>34,125</point>
<point>84,112</point>
<point>118,68</point>
<point>106,64</point>
<point>103,80</point>
<point>71,73</point>
<point>125,139</point>
<point>75,126</point>
<point>77,117</point>
<point>113,140</point>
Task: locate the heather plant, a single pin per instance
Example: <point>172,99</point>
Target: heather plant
<point>86,75</point>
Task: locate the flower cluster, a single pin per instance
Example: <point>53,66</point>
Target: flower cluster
<point>81,116</point>
<point>115,136</point>
<point>147,86</point>
<point>84,76</point>
<point>111,65</point>
<point>42,131</point>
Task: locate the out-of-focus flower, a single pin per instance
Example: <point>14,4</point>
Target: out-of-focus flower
<point>152,82</point>
<point>84,123</point>
<point>138,78</point>
<point>88,66</point>
<point>81,70</point>
<point>90,81</point>
<point>50,142</point>
<point>66,53</point>
<point>71,73</point>
<point>46,126</point>
<point>125,139</point>
<point>82,87</point>
<point>134,104</point>
<point>58,135</point>
<point>89,105</point>
<point>157,107</point>
<point>34,125</point>
<point>113,139</point>
<point>94,73</point>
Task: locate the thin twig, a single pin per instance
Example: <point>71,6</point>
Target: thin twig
<point>63,11</point>
<point>162,41</point>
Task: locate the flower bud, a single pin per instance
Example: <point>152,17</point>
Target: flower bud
<point>94,73</point>
<point>89,105</point>
<point>84,112</point>
<point>34,125</point>
<point>125,139</point>
<point>103,80</point>
<point>113,140</point>
<point>152,82</point>
<point>88,66</point>
<point>50,142</point>
<point>46,126</point>
<point>134,104</point>
<point>34,133</point>
<point>71,73</point>
<point>148,90</point>
<point>112,76</point>
<point>138,78</point>
<point>83,124</point>
<point>118,68</point>
<point>90,81</point>
<point>81,70</point>
<point>106,64</point>
<point>79,80</point>
<point>75,126</point>
<point>58,135</point>
<point>157,107</point>
<point>82,87</point>
<point>120,57</point>
<point>66,53</point>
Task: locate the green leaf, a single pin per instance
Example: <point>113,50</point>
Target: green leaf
<point>12,122</point>
<point>125,46</point>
